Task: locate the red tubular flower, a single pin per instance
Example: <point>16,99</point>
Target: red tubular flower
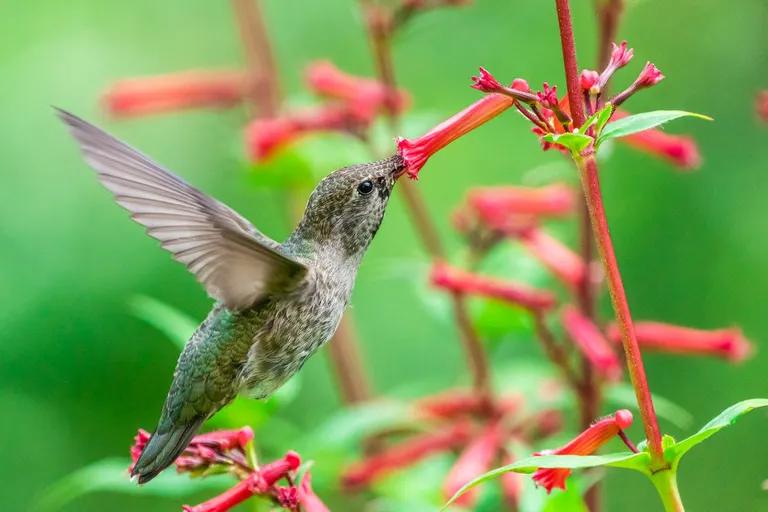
<point>263,137</point>
<point>309,501</point>
<point>274,471</point>
<point>455,403</point>
<point>677,149</point>
<point>729,344</point>
<point>650,75</point>
<point>591,343</point>
<point>189,89</point>
<point>548,96</point>
<point>486,82</point>
<point>221,448</point>
<point>620,57</point>
<point>495,205</point>
<point>475,460</point>
<point>589,79</point>
<point>405,454</point>
<point>364,96</point>
<point>459,281</point>
<point>417,151</point>
<point>557,257</point>
<point>761,105</point>
<point>228,499</point>
<point>585,443</point>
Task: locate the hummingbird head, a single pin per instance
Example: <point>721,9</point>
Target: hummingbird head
<point>346,208</point>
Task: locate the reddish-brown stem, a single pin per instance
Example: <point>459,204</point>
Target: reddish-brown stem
<point>262,72</point>
<point>265,97</point>
<point>591,184</point>
<point>554,351</point>
<point>608,14</point>
<point>380,31</point>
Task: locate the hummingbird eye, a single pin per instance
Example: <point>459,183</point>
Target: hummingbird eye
<point>365,188</point>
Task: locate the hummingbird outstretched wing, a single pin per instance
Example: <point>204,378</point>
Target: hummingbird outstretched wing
<point>236,263</point>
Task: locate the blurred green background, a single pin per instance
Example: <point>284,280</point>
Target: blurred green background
<point>79,373</point>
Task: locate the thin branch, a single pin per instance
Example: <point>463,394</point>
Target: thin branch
<point>608,13</point>
<point>380,24</point>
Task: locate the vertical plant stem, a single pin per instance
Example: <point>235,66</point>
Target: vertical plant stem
<point>379,27</point>
<point>666,485</point>
<point>591,184</point>
<point>262,72</point>
<point>344,348</point>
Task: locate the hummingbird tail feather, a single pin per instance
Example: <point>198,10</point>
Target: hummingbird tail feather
<point>163,449</point>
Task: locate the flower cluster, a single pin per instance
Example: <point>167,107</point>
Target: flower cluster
<point>230,451</point>
<point>482,432</point>
<point>550,114</point>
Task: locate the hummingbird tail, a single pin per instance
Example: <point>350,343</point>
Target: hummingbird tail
<point>163,448</point>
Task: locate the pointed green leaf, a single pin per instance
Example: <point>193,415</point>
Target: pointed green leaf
<point>177,326</point>
<point>599,119</point>
<point>112,475</point>
<point>724,419</point>
<point>641,122</point>
<point>576,142</point>
<point>627,460</point>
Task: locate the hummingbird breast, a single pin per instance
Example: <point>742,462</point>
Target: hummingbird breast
<point>292,327</point>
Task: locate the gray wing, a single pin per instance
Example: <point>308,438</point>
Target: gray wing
<point>235,263</point>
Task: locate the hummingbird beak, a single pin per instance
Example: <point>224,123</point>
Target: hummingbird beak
<point>399,169</point>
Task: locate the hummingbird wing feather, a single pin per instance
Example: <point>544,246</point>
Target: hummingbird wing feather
<point>236,263</point>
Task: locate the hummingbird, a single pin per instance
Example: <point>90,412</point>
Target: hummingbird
<point>275,303</point>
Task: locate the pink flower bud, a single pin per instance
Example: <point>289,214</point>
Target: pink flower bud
<point>458,281</point>
<point>520,85</point>
<point>485,82</point>
<point>650,75</point>
<point>589,79</point>
<point>405,454</point>
<point>363,96</point>
<point>585,443</point>
<point>678,149</point>
<point>475,460</point>
<point>591,342</point>
<point>274,471</point>
<point>548,96</point>
<point>729,344</point>
<point>165,93</point>
<point>417,151</point>
<point>565,264</point>
<point>620,55</point>
<point>287,497</point>
<point>310,502</point>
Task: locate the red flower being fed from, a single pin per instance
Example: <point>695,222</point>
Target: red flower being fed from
<point>417,151</point>
<point>729,344</point>
<point>177,91</point>
<point>591,342</point>
<point>459,281</point>
<point>585,443</point>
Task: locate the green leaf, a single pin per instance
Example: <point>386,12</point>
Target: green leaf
<point>112,475</point>
<point>724,419</point>
<point>576,142</point>
<point>627,460</point>
<point>641,122</point>
<point>624,395</point>
<point>600,118</point>
<point>177,326</point>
